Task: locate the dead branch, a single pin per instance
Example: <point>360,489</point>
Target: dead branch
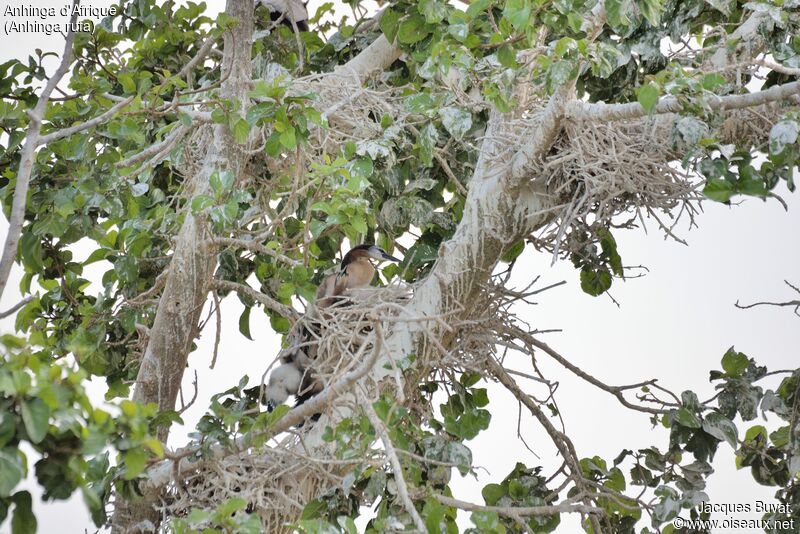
<point>795,303</point>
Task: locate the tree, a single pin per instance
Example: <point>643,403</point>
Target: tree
<point>201,156</point>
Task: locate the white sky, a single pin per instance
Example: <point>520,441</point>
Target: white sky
<point>674,324</point>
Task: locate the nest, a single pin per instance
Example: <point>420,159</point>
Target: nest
<point>280,477</point>
<point>600,171</point>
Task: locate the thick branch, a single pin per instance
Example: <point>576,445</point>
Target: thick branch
<point>613,112</point>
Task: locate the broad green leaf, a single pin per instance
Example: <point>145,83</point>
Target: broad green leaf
<point>651,9</point>
<point>11,471</point>
<point>23,521</point>
<point>434,10</point>
<point>782,134</point>
<point>412,30</point>
<point>721,428</point>
<point>36,417</point>
<point>648,96</point>
<point>724,6</point>
<point>135,462</point>
<point>456,120</point>
<point>200,203</point>
<point>719,190</point>
<point>618,13</point>
<point>244,323</point>
<point>735,363</point>
<point>687,418</point>
<point>389,23</point>
<point>492,493</point>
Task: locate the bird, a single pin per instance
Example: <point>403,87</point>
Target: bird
<point>287,11</point>
<point>295,376</point>
<point>356,271</point>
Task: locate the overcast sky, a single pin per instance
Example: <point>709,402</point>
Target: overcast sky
<point>673,324</point>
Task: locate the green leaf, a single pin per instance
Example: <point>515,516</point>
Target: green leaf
<point>724,6</point>
<point>735,363</point>
<point>30,248</point>
<point>507,57</point>
<point>477,7</point>
<point>11,471</point>
<point>412,30</point>
<point>782,134</point>
<point>347,524</point>
<point>200,203</point>
<point>719,190</point>
<point>618,15</point>
<point>651,9</point>
<point>595,283</point>
<point>389,23</point>
<point>647,95</point>
<point>36,417</point>
<point>434,10</point>
<point>456,120</point>
<point>426,141</point>
<point>492,493</point>
<point>23,521</point>
<point>721,428</point>
<point>687,418</point>
<point>244,323</point>
<point>8,427</point>
<point>517,12</point>
<point>135,462</point>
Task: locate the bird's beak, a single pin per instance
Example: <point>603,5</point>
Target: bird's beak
<point>387,257</point>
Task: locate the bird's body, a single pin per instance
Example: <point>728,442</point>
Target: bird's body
<point>288,11</point>
<point>295,375</point>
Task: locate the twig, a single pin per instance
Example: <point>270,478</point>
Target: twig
<point>286,311</point>
<point>185,407</point>
<point>795,303</point>
<point>397,469</point>
<point>159,474</point>
<point>254,246</point>
<point>560,440</point>
<point>529,511</point>
<point>215,296</point>
<point>614,390</point>
<point>15,307</point>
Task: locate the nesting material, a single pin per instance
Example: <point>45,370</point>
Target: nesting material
<point>280,476</point>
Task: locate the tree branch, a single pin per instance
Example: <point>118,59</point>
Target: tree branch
<point>100,119</point>
<point>795,303</point>
<point>27,156</point>
<point>525,511</point>
<point>580,110</point>
<point>15,307</point>
<point>397,469</point>
<point>269,302</point>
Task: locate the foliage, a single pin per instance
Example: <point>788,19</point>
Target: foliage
<point>43,405</point>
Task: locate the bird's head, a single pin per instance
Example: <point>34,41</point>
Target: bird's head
<point>373,252</point>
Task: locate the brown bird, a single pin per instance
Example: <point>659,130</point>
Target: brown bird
<point>356,271</point>
<point>295,376</point>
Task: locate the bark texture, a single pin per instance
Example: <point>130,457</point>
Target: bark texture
<point>191,268</point>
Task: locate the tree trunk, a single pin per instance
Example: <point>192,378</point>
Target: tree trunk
<point>191,267</point>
